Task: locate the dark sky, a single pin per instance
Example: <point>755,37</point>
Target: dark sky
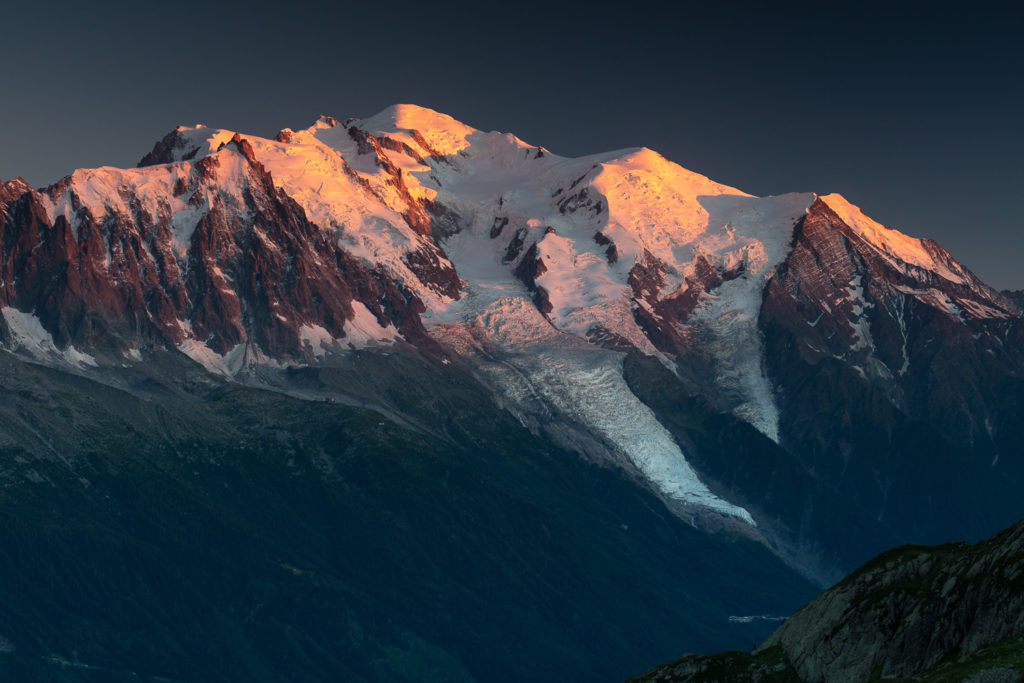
<point>912,112</point>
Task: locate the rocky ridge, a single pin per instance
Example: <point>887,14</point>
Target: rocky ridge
<point>951,612</point>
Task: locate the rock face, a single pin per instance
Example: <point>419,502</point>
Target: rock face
<point>901,326</point>
<point>908,610</point>
<point>949,612</point>
<point>237,266</point>
<point>886,365</point>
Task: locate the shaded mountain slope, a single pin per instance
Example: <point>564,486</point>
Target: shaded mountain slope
<point>200,530</point>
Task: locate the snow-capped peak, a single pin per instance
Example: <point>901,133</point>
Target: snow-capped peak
<point>16,184</point>
<point>11,190</point>
<point>890,241</point>
<point>444,134</point>
<point>187,143</point>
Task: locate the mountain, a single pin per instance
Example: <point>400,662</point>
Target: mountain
<point>946,613</point>
<point>775,388</point>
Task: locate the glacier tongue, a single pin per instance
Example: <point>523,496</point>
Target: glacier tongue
<point>589,386</point>
<point>543,372</point>
<point>728,316</point>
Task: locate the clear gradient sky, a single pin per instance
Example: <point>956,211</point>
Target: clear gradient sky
<point>911,110</point>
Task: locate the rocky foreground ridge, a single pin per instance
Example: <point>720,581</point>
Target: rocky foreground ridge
<point>947,613</point>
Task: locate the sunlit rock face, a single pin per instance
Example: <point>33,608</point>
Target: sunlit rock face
<point>840,342</point>
<point>207,256</point>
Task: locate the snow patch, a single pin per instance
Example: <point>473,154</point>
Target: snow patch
<point>361,331</point>
<point>317,338</point>
<point>364,330</point>
<point>976,309</point>
<point>858,318</point>
<point>31,337</point>
<point>205,356</point>
<point>936,298</point>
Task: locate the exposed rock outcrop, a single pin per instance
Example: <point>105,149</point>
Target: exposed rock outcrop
<point>948,612</point>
